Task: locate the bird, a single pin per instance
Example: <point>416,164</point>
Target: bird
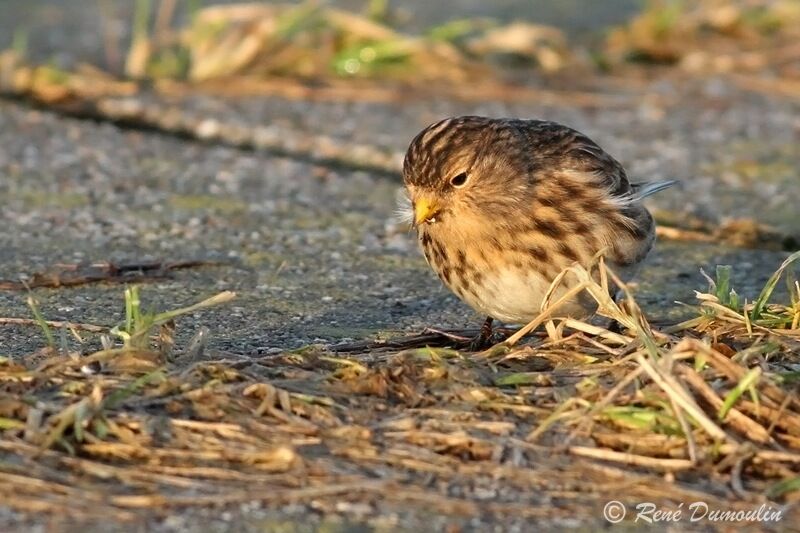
<point>502,206</point>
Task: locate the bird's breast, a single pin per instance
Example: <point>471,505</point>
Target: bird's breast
<point>494,282</point>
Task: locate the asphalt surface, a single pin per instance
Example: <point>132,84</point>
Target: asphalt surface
<point>314,252</point>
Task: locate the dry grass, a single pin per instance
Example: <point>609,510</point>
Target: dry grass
<point>295,51</point>
<point>289,48</point>
<point>707,409</point>
<point>313,40</point>
<point>713,35</point>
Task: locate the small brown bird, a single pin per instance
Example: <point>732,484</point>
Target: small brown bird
<point>502,206</point>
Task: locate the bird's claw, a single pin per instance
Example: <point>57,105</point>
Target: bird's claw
<point>486,338</point>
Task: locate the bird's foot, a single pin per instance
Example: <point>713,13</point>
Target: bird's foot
<point>486,338</point>
<point>479,343</point>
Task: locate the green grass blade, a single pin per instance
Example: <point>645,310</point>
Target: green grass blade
<point>520,378</point>
<point>722,284</point>
<point>20,40</point>
<point>41,322</point>
<point>749,379</point>
<point>783,487</point>
<point>120,395</point>
<point>141,19</point>
<point>11,423</point>
<point>763,299</point>
<point>791,286</point>
<point>378,10</point>
<point>306,16</point>
<point>193,7</point>
<point>128,310</point>
<point>453,30</point>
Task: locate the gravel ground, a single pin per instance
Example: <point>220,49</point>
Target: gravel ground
<point>313,252</point>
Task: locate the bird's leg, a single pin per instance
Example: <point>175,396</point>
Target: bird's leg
<point>486,328</point>
<point>483,339</point>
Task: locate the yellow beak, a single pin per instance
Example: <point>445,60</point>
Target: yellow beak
<point>425,209</point>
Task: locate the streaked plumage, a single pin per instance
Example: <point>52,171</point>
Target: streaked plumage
<point>536,197</point>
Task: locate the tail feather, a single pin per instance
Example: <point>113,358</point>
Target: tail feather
<point>642,190</point>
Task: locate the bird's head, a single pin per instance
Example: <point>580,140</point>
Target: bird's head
<point>462,167</point>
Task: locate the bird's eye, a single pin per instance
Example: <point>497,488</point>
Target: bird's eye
<point>459,180</point>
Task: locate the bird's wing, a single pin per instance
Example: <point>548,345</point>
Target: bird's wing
<point>631,232</point>
<point>555,145</point>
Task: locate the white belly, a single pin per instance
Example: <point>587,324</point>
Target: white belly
<point>512,296</point>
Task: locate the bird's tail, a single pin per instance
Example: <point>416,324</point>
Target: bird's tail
<point>642,190</point>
